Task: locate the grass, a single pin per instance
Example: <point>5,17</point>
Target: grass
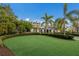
<point>38,45</point>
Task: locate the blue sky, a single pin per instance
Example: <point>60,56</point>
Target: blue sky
<point>34,11</point>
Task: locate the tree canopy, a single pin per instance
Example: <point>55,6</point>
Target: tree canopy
<point>9,22</point>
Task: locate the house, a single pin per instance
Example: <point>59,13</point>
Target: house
<point>38,28</point>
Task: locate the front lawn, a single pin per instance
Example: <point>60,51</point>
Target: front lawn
<point>42,46</point>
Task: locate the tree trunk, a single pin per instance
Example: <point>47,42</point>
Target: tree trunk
<point>54,29</point>
<point>64,28</point>
<point>46,27</point>
<point>77,28</point>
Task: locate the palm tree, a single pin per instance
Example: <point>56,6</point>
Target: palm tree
<point>60,23</point>
<point>74,20</point>
<point>47,20</point>
<point>65,12</point>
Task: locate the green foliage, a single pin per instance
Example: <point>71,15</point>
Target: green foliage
<point>60,23</point>
<point>47,20</point>
<point>1,43</point>
<point>23,26</point>
<point>28,25</point>
<point>11,28</point>
<point>9,23</point>
<point>57,35</point>
<point>74,20</point>
<point>3,28</point>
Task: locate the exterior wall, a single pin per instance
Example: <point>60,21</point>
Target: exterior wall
<point>52,31</point>
<point>37,28</point>
<point>32,30</point>
<point>42,30</point>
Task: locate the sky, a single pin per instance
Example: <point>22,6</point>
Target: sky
<point>34,11</point>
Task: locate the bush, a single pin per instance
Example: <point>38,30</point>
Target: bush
<point>69,37</point>
<point>18,34</point>
<point>75,34</point>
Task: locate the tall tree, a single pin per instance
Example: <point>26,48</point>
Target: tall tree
<point>6,19</point>
<point>60,23</point>
<point>47,20</point>
<point>65,12</point>
<point>74,20</point>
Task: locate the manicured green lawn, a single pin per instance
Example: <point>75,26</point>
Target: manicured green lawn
<point>42,45</point>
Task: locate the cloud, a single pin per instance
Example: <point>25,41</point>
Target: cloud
<point>27,19</point>
<point>37,20</point>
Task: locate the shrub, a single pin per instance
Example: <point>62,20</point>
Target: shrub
<point>75,34</point>
<point>69,37</point>
<point>18,34</point>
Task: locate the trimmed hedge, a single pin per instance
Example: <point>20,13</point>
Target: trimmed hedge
<point>75,34</point>
<point>68,37</point>
<point>18,34</point>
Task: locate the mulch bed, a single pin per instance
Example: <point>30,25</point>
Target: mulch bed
<point>4,51</point>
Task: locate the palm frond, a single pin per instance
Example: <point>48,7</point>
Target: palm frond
<point>42,23</point>
<point>51,22</point>
<point>49,17</point>
<point>70,15</point>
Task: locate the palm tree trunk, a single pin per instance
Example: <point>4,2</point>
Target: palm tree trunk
<point>77,26</point>
<point>64,28</point>
<point>46,27</point>
<point>65,11</point>
<point>54,29</point>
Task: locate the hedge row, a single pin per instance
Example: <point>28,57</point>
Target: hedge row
<point>61,36</point>
<point>68,37</point>
<point>75,34</point>
<point>18,34</point>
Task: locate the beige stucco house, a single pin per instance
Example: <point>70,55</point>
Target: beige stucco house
<point>38,28</point>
